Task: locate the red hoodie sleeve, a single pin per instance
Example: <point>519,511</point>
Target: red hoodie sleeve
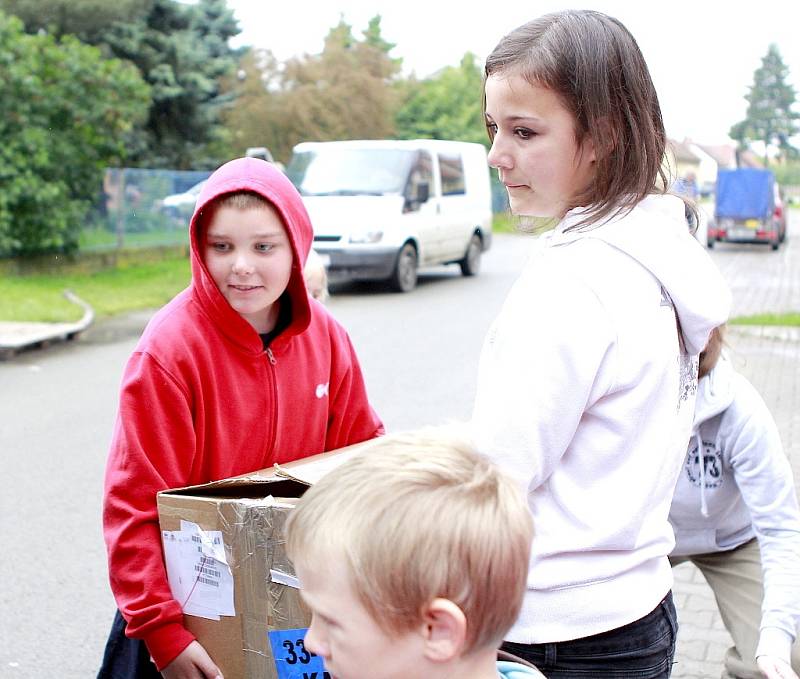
<point>151,450</point>
<point>351,418</point>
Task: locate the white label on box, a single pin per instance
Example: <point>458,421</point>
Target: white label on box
<point>198,572</point>
<point>284,578</point>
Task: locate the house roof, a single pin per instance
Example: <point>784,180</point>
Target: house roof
<point>683,152</point>
<point>724,154</point>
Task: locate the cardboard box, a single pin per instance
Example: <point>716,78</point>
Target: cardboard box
<point>224,548</point>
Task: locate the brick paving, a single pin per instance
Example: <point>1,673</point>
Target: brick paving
<point>762,281</point>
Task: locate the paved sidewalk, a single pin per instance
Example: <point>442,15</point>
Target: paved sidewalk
<point>16,337</point>
<point>770,359</point>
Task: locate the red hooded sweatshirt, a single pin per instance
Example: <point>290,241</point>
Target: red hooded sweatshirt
<point>202,400</point>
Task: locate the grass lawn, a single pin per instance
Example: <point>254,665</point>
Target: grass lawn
<point>791,318</point>
<point>152,284</point>
<point>109,292</point>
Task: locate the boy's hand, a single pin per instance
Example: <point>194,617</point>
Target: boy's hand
<point>775,668</point>
<point>192,663</point>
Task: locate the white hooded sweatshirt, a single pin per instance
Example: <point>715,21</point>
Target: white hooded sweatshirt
<point>585,395</point>
<point>743,488</point>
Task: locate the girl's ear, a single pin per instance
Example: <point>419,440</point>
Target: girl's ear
<point>444,629</point>
<point>588,149</point>
<point>603,141</point>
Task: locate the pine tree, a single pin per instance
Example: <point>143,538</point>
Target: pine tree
<point>770,118</point>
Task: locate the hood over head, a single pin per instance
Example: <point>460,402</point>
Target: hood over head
<point>656,234</point>
<point>263,178</point>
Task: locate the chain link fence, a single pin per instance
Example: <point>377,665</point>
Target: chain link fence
<point>142,208</point>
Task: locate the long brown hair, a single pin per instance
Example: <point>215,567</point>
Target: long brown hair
<point>593,63</point>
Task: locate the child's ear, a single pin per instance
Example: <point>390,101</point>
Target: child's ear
<point>444,628</point>
<point>604,140</point>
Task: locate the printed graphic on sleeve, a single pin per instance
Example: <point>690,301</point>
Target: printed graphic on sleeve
<point>712,461</point>
<point>688,378</point>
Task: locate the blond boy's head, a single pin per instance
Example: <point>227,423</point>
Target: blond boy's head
<point>419,518</point>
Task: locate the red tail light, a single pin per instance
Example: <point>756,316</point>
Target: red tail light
<point>778,211</point>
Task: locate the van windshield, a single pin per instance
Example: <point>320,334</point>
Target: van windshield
<point>328,171</point>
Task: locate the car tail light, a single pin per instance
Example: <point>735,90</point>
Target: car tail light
<point>778,211</point>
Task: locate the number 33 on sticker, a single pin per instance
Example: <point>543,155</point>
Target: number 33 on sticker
<point>292,659</point>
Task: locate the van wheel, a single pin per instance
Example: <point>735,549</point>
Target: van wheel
<point>404,278</point>
<point>471,263</point>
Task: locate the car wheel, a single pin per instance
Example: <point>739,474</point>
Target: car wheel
<point>404,278</point>
<point>471,263</point>
<point>775,244</point>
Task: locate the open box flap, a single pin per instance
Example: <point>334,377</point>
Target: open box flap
<point>307,471</point>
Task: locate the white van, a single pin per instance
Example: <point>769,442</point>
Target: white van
<point>382,208</point>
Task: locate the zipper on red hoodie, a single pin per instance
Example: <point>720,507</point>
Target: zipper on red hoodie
<point>273,440</point>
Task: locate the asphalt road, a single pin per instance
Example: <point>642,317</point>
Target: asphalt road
<point>419,354</point>
<point>57,405</point>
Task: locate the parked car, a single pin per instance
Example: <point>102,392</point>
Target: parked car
<point>181,205</point>
<point>748,208</point>
<point>382,208</point>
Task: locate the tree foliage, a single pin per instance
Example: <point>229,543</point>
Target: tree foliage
<point>345,92</point>
<point>770,118</point>
<point>181,51</point>
<point>88,20</point>
<point>255,117</point>
<point>65,114</point>
<point>445,106</point>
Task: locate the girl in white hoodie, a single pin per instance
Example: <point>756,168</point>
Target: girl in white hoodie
<point>736,517</point>
<point>588,375</point>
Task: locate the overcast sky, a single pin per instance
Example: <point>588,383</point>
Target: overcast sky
<point>701,53</point>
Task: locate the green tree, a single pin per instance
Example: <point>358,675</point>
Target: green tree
<point>88,20</point>
<point>66,113</point>
<point>181,51</point>
<point>345,92</point>
<point>770,118</point>
<point>444,106</point>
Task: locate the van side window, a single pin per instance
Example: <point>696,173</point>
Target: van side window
<point>451,169</point>
<point>421,175</point>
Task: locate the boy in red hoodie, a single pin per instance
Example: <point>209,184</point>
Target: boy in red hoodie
<point>239,371</point>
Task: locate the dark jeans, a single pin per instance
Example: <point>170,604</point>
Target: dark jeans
<point>126,658</point>
<point>644,649</point>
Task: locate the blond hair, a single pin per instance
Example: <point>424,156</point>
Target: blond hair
<point>416,517</point>
<point>238,200</point>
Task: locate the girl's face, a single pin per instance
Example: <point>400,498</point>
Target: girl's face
<point>534,148</point>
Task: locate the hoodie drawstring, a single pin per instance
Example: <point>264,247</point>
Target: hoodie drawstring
<point>702,457</point>
<point>701,453</point>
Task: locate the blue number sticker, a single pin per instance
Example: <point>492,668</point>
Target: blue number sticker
<point>292,659</point>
